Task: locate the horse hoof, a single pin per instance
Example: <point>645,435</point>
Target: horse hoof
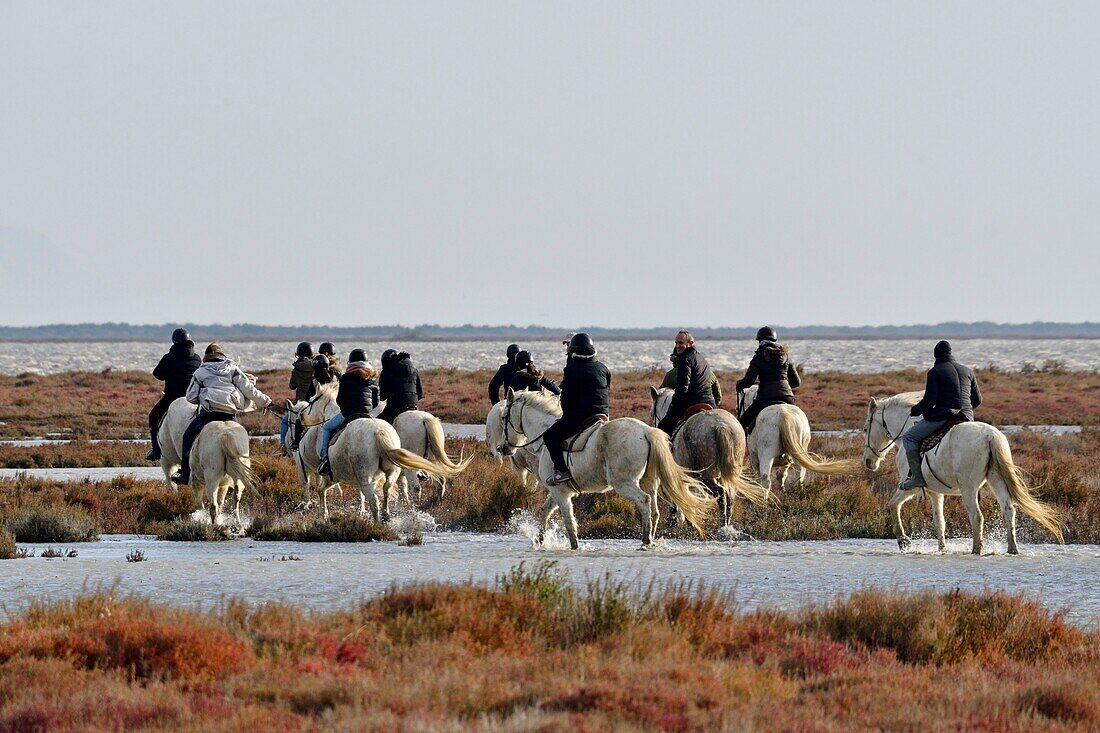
<point>904,545</point>
<point>235,529</point>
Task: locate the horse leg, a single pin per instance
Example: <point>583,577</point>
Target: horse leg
<point>644,504</point>
<point>764,470</point>
<point>379,484</point>
<point>938,520</point>
<point>569,519</point>
<point>897,501</point>
<point>977,521</point>
<point>544,513</point>
<point>1008,509</point>
<point>403,486</point>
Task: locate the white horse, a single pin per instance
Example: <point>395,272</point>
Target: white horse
<point>219,458</point>
<point>367,454</point>
<point>969,456</point>
<point>623,454</point>
<point>422,433</point>
<point>781,438</point>
<point>525,462</point>
<point>711,444</point>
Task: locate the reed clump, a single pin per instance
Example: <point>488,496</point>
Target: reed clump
<point>186,529</point>
<point>337,528</point>
<point>61,523</point>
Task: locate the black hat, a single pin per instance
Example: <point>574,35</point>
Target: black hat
<point>305,348</point>
<point>942,350</point>
<point>387,354</point>
<point>328,349</point>
<point>357,355</point>
<point>523,359</point>
<point>180,336</point>
<point>513,349</point>
<point>582,345</point>
<point>767,333</point>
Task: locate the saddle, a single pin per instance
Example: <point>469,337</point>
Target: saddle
<point>688,414</point>
<point>934,439</point>
<point>588,429</point>
<point>336,433</point>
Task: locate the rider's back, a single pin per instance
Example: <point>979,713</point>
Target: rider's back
<point>586,387</point>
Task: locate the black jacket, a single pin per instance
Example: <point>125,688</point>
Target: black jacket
<point>772,367</point>
<point>325,369</point>
<point>358,393</point>
<point>301,379</point>
<point>500,380</point>
<point>525,380</point>
<point>585,388</point>
<point>693,381</point>
<point>951,391</point>
<point>399,383</point>
<point>176,367</point>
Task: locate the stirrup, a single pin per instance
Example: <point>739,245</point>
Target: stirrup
<point>915,481</point>
<point>559,478</point>
<point>324,468</point>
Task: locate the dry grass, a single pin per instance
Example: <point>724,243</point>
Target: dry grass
<point>116,404</point>
<point>535,654</point>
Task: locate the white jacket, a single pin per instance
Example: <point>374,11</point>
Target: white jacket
<point>221,386</point>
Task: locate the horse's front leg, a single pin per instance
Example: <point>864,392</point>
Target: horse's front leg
<point>938,520</point>
<point>569,519</point>
<point>897,501</point>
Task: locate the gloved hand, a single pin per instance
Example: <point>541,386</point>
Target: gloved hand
<point>915,410</point>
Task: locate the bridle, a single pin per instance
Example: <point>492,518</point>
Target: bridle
<point>507,420</point>
<point>893,438</point>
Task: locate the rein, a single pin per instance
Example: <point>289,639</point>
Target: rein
<point>519,431</point>
<point>893,438</point>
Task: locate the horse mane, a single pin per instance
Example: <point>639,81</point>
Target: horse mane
<point>546,401</point>
<point>329,390</point>
<point>908,399</point>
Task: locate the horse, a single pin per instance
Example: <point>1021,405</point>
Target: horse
<point>970,455</point>
<point>711,444</point>
<point>781,438</point>
<point>367,453</point>
<point>422,433</point>
<point>525,462</point>
<point>622,454</point>
<point>219,457</point>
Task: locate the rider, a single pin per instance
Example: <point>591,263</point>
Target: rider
<point>399,384</point>
<point>326,367</point>
<point>770,365</point>
<point>669,381</point>
<point>585,392</point>
<point>174,369</point>
<point>693,382</point>
<point>950,393</point>
<point>529,377</point>
<point>301,381</point>
<point>504,371</point>
<point>358,395</point>
<point>220,389</point>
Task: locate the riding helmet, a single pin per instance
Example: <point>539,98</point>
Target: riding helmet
<point>942,350</point>
<point>356,355</point>
<point>180,336</point>
<point>523,359</point>
<point>387,354</point>
<point>513,349</point>
<point>767,333</point>
<point>304,349</point>
<point>328,349</point>
<point>581,345</point>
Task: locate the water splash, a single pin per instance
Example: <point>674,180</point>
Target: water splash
<point>411,521</point>
<point>526,524</point>
<point>729,533</point>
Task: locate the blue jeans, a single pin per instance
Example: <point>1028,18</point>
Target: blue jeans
<point>326,431</point>
<point>283,427</point>
<point>914,435</point>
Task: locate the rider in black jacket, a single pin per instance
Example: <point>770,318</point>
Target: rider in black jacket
<point>693,382</point>
<point>504,371</point>
<point>174,369</point>
<point>585,392</point>
<point>399,384</point>
<point>529,377</point>
<point>950,393</point>
<point>770,365</point>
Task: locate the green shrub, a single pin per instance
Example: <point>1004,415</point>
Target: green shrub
<point>189,530</point>
<point>53,524</point>
<point>337,528</point>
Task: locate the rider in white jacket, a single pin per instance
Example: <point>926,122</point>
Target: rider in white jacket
<point>221,390</point>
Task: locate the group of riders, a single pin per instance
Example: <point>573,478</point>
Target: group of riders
<point>221,389</point>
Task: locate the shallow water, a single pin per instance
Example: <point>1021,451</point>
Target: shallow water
<point>325,575</point>
<point>858,356</point>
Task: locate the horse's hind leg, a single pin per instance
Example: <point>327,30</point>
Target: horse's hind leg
<point>938,520</point>
<point>897,501</point>
<point>1008,509</point>
<point>977,521</point>
<point>644,504</point>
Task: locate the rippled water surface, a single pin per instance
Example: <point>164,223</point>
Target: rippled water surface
<point>861,356</point>
<point>324,576</point>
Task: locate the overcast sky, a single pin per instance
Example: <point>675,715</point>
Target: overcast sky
<point>553,163</point>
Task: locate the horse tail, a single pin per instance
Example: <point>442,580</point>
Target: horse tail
<point>731,471</point>
<point>390,450</point>
<point>434,430</point>
<point>1043,513</point>
<point>677,485</point>
<point>793,447</point>
<point>238,464</point>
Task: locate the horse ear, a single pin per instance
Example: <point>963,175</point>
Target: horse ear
<point>510,395</point>
<point>653,392</point>
<point>871,406</point>
<point>289,404</point>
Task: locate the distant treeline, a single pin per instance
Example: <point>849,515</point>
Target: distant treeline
<point>435,332</point>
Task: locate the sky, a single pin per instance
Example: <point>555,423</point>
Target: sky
<point>627,164</point>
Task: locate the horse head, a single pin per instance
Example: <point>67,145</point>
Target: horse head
<point>662,399</point>
<point>321,406</point>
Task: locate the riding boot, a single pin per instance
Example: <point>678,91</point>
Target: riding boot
<point>916,476</point>
<point>324,468</point>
